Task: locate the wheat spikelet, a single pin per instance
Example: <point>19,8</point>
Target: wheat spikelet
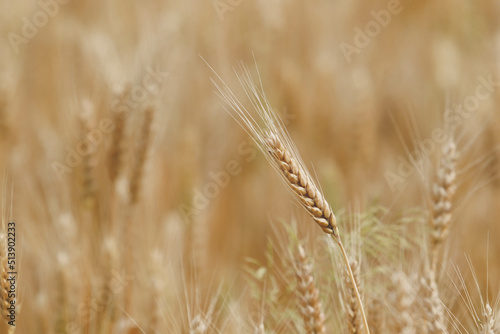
<point>309,305</point>
<point>442,193</point>
<point>353,314</point>
<point>140,155</point>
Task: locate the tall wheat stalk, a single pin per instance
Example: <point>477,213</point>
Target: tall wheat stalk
<point>279,149</point>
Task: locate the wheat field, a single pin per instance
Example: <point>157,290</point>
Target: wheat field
<point>234,166</point>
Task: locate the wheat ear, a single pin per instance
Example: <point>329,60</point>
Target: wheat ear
<point>116,150</point>
<point>434,310</point>
<point>442,192</point>
<point>353,313</point>
<point>310,306</point>
<point>309,195</point>
<point>403,299</point>
<point>89,160</point>
<point>140,155</point>
<point>274,141</point>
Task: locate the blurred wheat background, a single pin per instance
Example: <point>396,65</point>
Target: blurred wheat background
<point>172,221</point>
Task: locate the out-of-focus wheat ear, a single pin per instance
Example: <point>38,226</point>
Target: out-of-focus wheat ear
<point>403,300</point>
<point>488,327</point>
<point>309,305</point>
<point>433,306</point>
<point>375,315</point>
<point>117,142</point>
<point>353,314</point>
<point>443,190</point>
<point>89,159</point>
<point>299,181</point>
<point>143,143</point>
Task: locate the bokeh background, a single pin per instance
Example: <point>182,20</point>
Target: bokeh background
<point>354,118</point>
